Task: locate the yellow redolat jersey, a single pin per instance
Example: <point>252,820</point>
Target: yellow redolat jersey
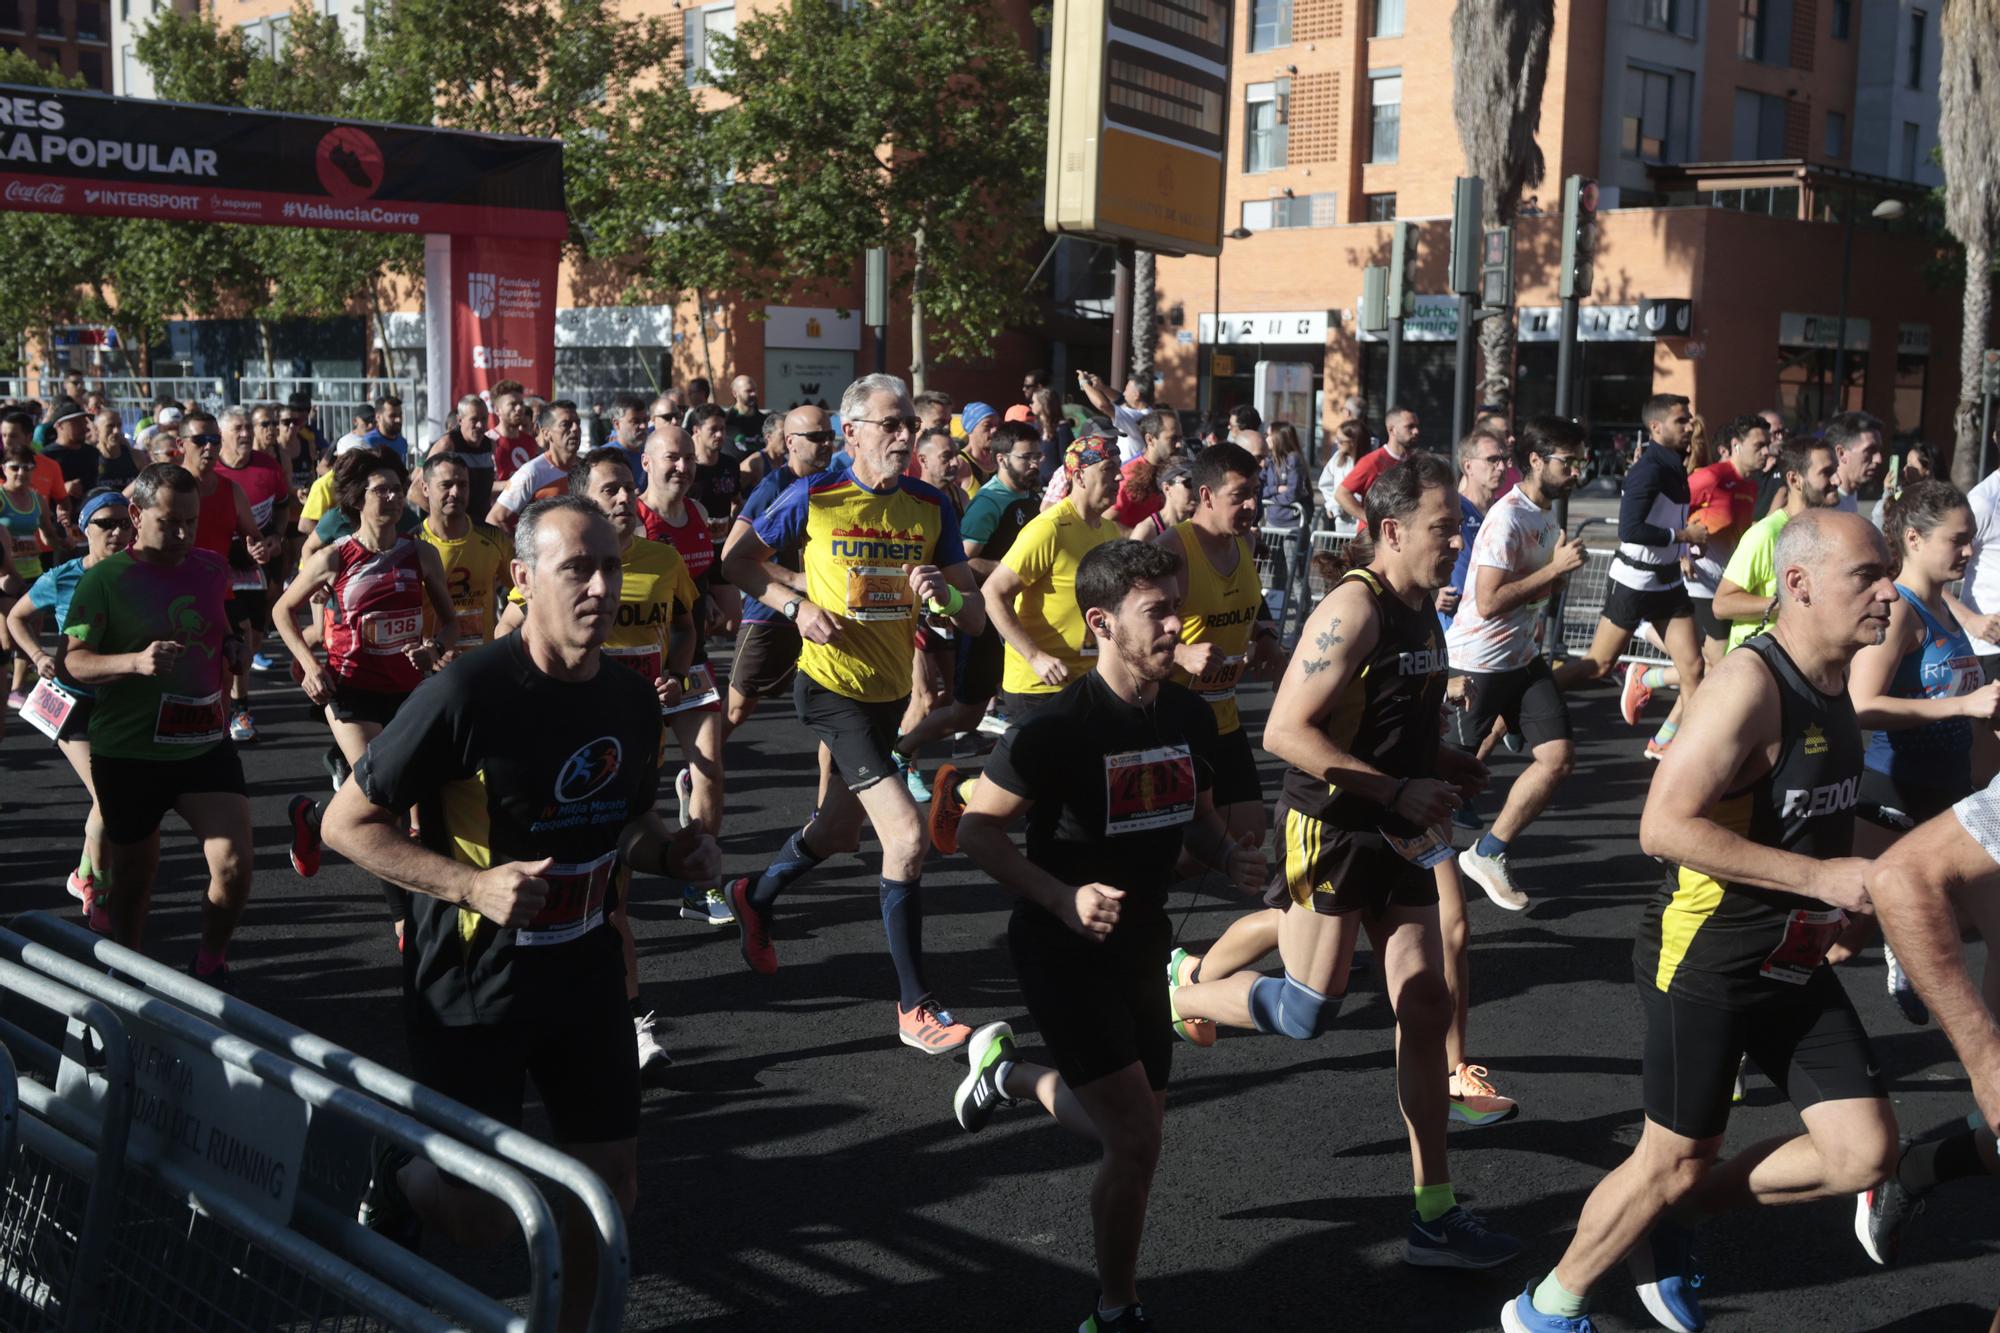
<point>473,566</point>
<point>1221,609</point>
<point>656,580</point>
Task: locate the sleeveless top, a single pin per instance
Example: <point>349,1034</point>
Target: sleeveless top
<point>374,612</point>
<point>1221,609</point>
<point>1387,717</point>
<point>1937,754</point>
<point>24,528</point>
<point>1732,945</point>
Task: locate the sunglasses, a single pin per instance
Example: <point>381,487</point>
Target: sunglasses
<point>264,425</point>
<point>816,436</point>
<point>288,421</point>
<point>108,524</point>
<point>203,439</point>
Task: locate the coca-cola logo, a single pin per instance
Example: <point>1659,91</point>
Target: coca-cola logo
<point>19,192</point>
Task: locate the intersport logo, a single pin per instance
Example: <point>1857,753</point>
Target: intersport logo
<point>19,192</point>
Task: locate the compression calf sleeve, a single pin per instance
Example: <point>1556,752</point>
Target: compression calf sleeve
<point>1291,1009</point>
<point>903,923</point>
<point>790,865</point>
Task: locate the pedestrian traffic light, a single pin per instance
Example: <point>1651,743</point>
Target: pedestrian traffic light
<point>1403,270</point>
<point>1579,237</point>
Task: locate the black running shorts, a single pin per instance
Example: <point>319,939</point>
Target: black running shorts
<point>135,794</point>
<point>1705,619</point>
<point>1334,870</point>
<point>1916,801</point>
<point>859,735</point>
<point>251,607</point>
<point>1525,696</point>
<point>584,1060</point>
<point>1100,1007</point>
<point>357,705</point>
<point>1627,607</point>
<point>767,653</point>
<point>981,659</point>
<point>1808,1041</point>
<point>1236,781</point>
<point>1020,707</point>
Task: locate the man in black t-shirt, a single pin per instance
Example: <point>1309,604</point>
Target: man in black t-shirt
<point>1112,778</point>
<point>534,766</point>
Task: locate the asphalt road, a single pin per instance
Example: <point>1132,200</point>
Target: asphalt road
<point>801,1170</point>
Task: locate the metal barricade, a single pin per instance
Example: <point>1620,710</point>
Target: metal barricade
<point>1281,569</point>
<point>133,397</point>
<point>191,1255</point>
<point>10,1102</point>
<point>335,398</point>
<point>1323,541</point>
<point>1583,601</point>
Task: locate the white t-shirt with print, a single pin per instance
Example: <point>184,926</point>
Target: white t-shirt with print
<point>1519,537</point>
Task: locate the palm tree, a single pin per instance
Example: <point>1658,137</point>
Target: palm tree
<point>1499,61</point>
<point>1968,125</point>
<point>1145,318</point>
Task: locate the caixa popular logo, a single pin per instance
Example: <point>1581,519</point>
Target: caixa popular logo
<point>48,193</point>
<point>480,291</point>
<point>593,767</point>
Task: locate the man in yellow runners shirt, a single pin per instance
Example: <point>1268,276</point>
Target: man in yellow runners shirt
<point>477,557</point>
<point>877,546</point>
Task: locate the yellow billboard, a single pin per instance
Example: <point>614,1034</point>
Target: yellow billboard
<point>1138,119</point>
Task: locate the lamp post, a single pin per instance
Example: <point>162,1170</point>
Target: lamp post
<point>1215,319</point>
<point>1886,211</point>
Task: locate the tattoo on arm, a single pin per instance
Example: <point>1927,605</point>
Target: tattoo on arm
<point>1327,638</point>
<point>1317,664</point>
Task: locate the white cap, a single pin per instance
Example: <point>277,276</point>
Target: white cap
<point>349,441</point>
<point>169,416</point>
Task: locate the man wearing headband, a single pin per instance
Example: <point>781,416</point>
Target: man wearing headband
<point>980,422</point>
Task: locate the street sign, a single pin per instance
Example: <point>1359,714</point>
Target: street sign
<point>1989,366</point>
<point>1138,114</point>
<point>1496,269</point>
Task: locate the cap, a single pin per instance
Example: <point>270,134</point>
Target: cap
<point>1089,449</point>
<point>66,409</point>
<point>168,416</point>
<point>973,414</point>
<point>1020,412</point>
<point>348,443</point>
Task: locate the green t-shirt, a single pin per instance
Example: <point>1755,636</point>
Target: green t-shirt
<point>122,605</point>
<point>1753,568</point>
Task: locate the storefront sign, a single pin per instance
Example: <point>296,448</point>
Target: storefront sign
<point>1268,326</point>
<point>1913,340</point>
<point>1796,330</point>
<point>811,326</point>
<point>809,376</point>
<point>1643,322</point>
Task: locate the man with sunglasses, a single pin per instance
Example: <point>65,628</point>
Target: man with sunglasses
<point>878,545</point>
<point>261,479</point>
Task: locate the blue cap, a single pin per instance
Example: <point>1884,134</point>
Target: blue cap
<point>973,414</point>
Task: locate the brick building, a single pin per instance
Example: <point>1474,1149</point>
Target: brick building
<point>71,35</point>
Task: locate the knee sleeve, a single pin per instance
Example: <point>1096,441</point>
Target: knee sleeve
<point>1291,1009</point>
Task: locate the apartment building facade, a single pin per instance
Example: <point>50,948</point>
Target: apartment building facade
<point>73,36</point>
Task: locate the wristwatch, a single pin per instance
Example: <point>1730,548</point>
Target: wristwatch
<point>791,609</point>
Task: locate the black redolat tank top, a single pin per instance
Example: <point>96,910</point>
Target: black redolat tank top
<point>1731,944</point>
<point>1387,717</point>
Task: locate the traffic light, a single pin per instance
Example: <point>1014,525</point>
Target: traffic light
<point>1374,312</point>
<point>1579,237</point>
<point>1403,270</point>
<point>1468,201</point>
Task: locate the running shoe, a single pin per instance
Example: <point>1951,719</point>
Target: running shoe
<point>1467,817</point>
<point>1194,1031</point>
<point>16,700</point>
<point>385,1209</point>
<point>1908,1003</point>
<point>706,905</point>
<point>1668,1277</point>
<point>993,724</point>
<point>930,1028</point>
<point>335,764</point>
<point>263,662</point>
<point>684,793</point>
<point>1736,1093</point>
<point>1132,1319</point>
<point>1475,1102</point>
<point>305,835</point>
<point>242,727</point>
<point>1493,874</point>
<point>79,887</point>
<point>980,1093</point>
<point>1520,1316</point>
<point>219,978</point>
<point>1632,700</point>
<point>1457,1240</point>
<point>653,1057</point>
<point>1656,751</point>
<point>1512,740</point>
<point>1881,1214</point>
<point>913,777</point>
<point>947,808</point>
<point>756,932</point>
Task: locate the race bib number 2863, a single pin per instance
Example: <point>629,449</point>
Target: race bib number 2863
<point>1148,789</point>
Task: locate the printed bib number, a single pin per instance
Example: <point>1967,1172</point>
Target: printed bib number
<point>1427,849</point>
<point>48,708</point>
<point>471,628</point>
<point>1148,789</point>
<point>246,580</point>
<point>697,690</point>
<point>1966,675</point>
<point>391,633</point>
<point>1808,935</point>
<point>645,661</point>
<point>879,592</point>
<point>575,904</point>
<point>185,720</point>
<point>1218,683</point>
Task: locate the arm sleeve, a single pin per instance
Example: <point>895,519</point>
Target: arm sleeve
<point>424,746</point>
<point>783,526</point>
<point>1642,487</point>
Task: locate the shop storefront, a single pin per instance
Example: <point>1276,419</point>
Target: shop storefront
<point>1279,340</point>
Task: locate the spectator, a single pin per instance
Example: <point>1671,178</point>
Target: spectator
<point>1287,495</point>
<point>1350,441</point>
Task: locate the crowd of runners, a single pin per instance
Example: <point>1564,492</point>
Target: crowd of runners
<point>509,637</point>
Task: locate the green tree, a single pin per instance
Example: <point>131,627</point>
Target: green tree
<point>915,124</point>
<point>46,259</point>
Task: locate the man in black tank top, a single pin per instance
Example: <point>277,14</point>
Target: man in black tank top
<point>1754,810</point>
<point>1357,719</point>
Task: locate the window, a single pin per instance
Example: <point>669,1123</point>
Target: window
<point>48,18</point>
<point>1919,23</point>
<point>1388,19</point>
<point>126,67</point>
<point>697,27</point>
<point>1843,19</point>
<point>90,64</point>
<point>89,21</point>
<point>1308,210</point>
<point>1750,29</point>
<point>1836,133</point>
<point>1660,14</point>
<point>1380,207</point>
<point>1648,98</point>
<point>10,15</point>
<point>1911,131</point>
<point>1265,131</point>
<point>1759,131</point>
<point>1270,24</point>
<point>1385,116</point>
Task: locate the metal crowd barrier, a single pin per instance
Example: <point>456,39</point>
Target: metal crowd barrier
<point>187,1252</point>
<point>1583,604</point>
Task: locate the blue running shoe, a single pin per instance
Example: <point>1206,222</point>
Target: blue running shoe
<point>1457,1240</point>
<point>1520,1316</point>
<point>263,662</point>
<point>913,777</point>
<point>1668,1277</point>
<point>1468,818</point>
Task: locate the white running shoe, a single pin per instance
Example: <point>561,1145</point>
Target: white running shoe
<point>684,793</point>
<point>1492,874</point>
<point>652,1055</point>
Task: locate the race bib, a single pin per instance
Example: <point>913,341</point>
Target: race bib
<point>879,592</point>
<point>645,661</point>
<point>1966,676</point>
<point>246,580</point>
<point>1808,935</point>
<point>1218,683</point>
<point>1427,849</point>
<point>1148,789</point>
<point>185,720</point>
<point>48,708</point>
<point>575,903</point>
<point>471,628</point>
<point>697,690</point>
<point>386,632</point>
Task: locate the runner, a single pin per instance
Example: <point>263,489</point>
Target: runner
<point>1747,595</point>
<point>1114,780</point>
<point>1367,790</point>
<point>512,973</point>
<point>1177,502</point>
<point>876,544</point>
<point>1646,582</point>
<point>761,462</point>
<point>148,632</point>
<point>477,558</point>
<point>468,438</point>
<point>1140,495</point>
<point>718,479</point>
<point>388,429</point>
<point>30,522</point>
<point>514,442</point>
<point>546,475</point>
<point>64,705</point>
<point>1757,811</point>
<point>265,487</point>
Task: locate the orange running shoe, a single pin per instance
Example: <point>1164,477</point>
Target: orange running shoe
<point>930,1028</point>
<point>1632,700</point>
<point>947,808</point>
<point>1473,1100</point>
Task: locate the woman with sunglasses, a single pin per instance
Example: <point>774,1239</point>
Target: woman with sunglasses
<point>106,521</point>
<point>1177,489</point>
